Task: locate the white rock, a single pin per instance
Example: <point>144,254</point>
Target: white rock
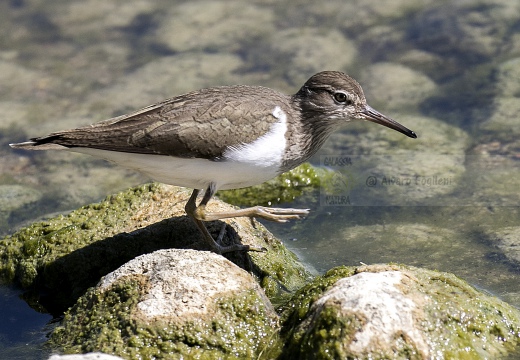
<point>183,283</point>
<point>386,311</point>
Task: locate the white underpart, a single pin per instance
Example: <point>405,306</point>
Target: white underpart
<point>267,150</point>
<point>241,166</point>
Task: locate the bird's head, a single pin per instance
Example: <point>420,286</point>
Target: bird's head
<point>332,96</point>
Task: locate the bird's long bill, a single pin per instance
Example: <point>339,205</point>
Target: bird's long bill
<point>373,115</point>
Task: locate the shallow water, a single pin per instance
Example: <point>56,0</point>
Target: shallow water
<point>448,200</point>
<point>22,329</point>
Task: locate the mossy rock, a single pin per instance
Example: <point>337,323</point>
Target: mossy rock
<point>446,317</point>
<point>59,259</point>
<point>286,187</point>
<point>172,304</point>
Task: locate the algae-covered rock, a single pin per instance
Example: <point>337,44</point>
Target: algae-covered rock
<point>172,303</point>
<point>62,257</point>
<point>396,312</point>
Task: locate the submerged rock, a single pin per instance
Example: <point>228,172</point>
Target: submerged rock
<point>387,168</point>
<point>310,50</point>
<point>216,26</point>
<point>152,82</point>
<point>13,198</point>
<point>507,240</point>
<point>396,86</point>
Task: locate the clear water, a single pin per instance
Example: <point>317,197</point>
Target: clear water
<point>448,200</point>
<point>22,329</point>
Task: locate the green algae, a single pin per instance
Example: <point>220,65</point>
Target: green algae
<point>469,324</point>
<point>284,188</point>
<point>107,321</point>
<point>302,300</point>
<point>281,272</point>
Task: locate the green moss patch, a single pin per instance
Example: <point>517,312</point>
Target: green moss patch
<point>284,188</point>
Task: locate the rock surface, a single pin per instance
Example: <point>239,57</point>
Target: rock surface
<point>310,51</point>
<point>180,303</point>
<point>396,312</point>
<point>183,284</point>
<point>379,176</point>
<point>396,86</point>
<point>198,304</point>
<point>217,25</point>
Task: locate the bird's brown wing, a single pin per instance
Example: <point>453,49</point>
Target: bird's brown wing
<point>200,124</point>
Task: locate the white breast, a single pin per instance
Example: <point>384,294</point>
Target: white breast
<point>265,151</point>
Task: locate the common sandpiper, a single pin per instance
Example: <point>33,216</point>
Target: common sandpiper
<point>224,137</point>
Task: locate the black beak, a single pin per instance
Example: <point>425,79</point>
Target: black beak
<point>373,115</point>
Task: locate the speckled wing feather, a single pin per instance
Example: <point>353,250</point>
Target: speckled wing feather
<point>200,124</point>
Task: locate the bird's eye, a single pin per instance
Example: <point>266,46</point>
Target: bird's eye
<point>342,98</point>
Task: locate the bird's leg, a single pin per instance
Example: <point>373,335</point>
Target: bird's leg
<point>199,214</point>
<point>267,213</point>
<point>273,214</point>
<point>194,212</point>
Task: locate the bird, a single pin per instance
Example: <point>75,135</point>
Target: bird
<point>224,137</point>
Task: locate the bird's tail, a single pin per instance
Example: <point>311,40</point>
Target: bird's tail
<point>35,145</point>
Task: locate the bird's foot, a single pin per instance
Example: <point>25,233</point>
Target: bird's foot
<point>267,213</point>
<point>276,214</point>
<point>217,246</point>
<point>222,249</point>
<point>199,215</point>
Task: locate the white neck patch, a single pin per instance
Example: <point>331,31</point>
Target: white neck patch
<point>267,150</point>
